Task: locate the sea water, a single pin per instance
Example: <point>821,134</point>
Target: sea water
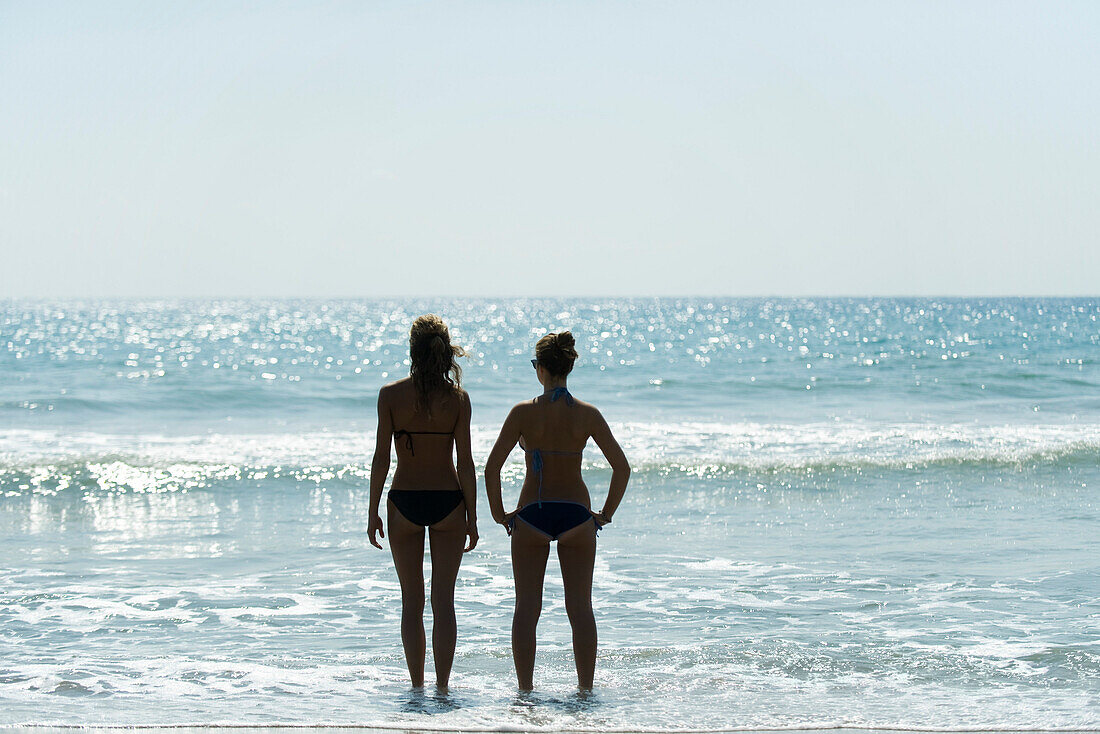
<point>843,512</point>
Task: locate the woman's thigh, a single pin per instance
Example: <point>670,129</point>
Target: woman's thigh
<point>530,549</point>
<point>407,547</point>
<point>447,539</point>
<point>577,556</point>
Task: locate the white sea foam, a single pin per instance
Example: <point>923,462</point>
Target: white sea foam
<point>925,562</point>
<point>682,445</point>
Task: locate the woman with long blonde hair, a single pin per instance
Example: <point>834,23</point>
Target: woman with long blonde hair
<point>427,417</point>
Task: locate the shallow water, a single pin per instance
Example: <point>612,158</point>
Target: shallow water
<point>875,513</point>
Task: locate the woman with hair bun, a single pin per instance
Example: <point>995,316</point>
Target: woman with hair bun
<point>554,504</point>
<point>427,415</point>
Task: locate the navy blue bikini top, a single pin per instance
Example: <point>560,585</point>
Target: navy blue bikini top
<point>537,454</point>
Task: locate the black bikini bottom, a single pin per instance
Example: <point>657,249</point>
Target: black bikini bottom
<point>425,506</point>
<point>554,517</point>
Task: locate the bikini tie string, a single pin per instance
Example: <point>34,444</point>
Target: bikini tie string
<point>408,440</point>
<point>536,464</point>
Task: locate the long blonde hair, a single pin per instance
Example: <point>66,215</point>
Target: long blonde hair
<point>434,359</point>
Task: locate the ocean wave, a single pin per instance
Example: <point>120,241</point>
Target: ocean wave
<point>497,729</point>
<point>49,461</point>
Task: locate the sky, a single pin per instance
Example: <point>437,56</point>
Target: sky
<point>360,149</point>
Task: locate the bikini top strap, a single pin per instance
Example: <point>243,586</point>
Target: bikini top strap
<point>536,454</point>
<point>537,462</point>
<point>559,392</point>
<point>409,436</point>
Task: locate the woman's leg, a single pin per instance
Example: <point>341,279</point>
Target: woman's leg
<point>447,539</point>
<point>407,547</point>
<point>577,555</point>
<point>530,550</point>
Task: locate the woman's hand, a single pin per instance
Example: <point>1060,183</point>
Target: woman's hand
<point>471,533</point>
<point>506,521</point>
<point>600,518</point>
<point>375,527</point>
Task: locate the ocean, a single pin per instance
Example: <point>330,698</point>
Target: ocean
<point>879,512</point>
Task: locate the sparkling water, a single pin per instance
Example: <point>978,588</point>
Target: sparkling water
<point>843,512</point>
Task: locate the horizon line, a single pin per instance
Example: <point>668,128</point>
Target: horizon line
<point>407,296</point>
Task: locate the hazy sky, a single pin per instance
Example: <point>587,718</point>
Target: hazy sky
<point>575,148</point>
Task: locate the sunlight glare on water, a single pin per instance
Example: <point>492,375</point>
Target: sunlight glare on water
<point>843,512</point>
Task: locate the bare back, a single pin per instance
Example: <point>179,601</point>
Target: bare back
<point>559,430</point>
<point>424,442</point>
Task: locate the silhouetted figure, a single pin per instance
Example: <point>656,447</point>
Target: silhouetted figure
<point>428,415</point>
<point>554,504</point>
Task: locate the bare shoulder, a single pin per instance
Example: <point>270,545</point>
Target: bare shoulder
<point>520,411</point>
<point>583,404</point>
<point>392,389</point>
<point>463,398</point>
<point>589,412</point>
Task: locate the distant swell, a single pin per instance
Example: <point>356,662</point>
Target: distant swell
<point>384,726</point>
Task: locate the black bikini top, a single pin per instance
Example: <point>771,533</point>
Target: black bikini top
<point>409,435</point>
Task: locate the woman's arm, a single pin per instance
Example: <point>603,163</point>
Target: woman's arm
<point>467,474</point>
<point>620,467</point>
<point>506,441</point>
<point>379,467</point>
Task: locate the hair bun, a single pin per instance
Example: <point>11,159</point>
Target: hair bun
<point>555,352</point>
<point>565,344</point>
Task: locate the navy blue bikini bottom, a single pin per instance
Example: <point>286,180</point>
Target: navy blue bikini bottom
<point>553,517</point>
